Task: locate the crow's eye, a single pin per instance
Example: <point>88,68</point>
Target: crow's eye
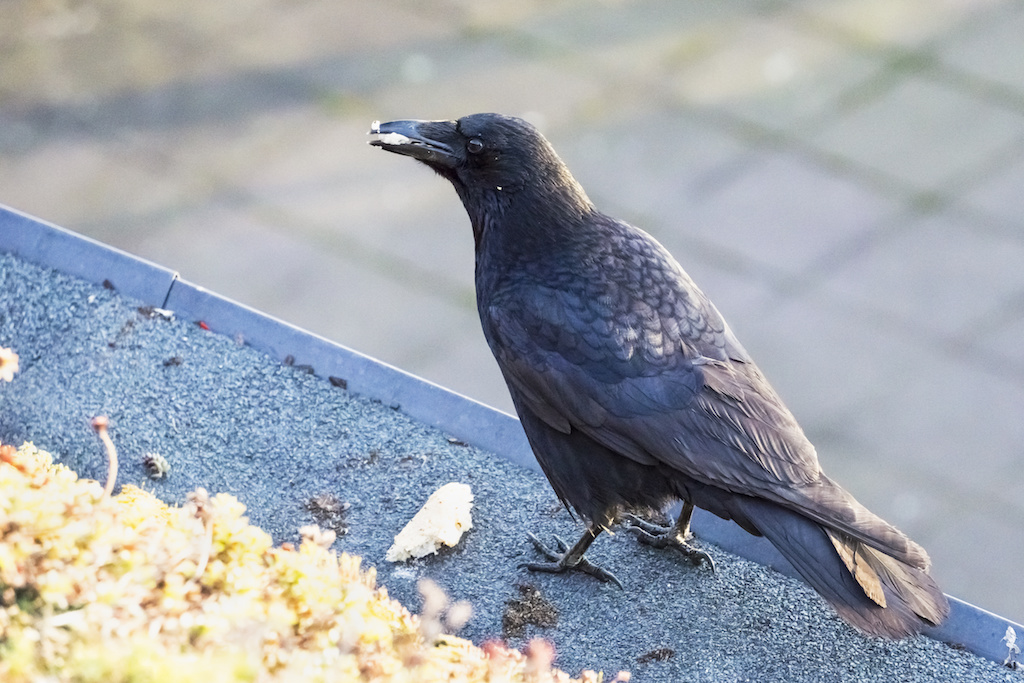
<point>475,146</point>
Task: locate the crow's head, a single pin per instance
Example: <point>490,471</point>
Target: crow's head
<point>490,158</point>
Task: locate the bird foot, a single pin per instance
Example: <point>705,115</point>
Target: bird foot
<point>658,536</point>
<point>567,561</point>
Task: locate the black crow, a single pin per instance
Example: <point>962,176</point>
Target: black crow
<point>633,390</point>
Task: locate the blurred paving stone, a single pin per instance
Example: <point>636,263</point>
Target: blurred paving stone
<point>1002,195</point>
<point>575,26</point>
<point>825,361</point>
<point>107,185</point>
<point>1005,338</point>
<point>424,235</point>
<point>950,417</point>
<point>786,213</point>
<point>771,71</point>
<point>991,583</point>
<point>464,355</point>
<point>64,52</point>
<point>909,23</point>
<point>937,275</point>
<point>471,83</point>
<point>86,180</point>
<point>923,134</point>
<point>799,102</point>
<point>651,168</point>
<point>482,17</point>
<point>330,188</point>
<point>993,51</point>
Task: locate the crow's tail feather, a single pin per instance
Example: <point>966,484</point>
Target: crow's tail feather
<point>876,593</point>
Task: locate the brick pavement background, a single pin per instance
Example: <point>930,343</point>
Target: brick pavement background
<point>843,177</point>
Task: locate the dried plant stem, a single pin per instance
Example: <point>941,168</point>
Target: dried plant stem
<point>204,557</point>
<point>200,499</point>
<point>99,423</point>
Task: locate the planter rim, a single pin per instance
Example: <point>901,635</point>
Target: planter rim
<point>42,243</point>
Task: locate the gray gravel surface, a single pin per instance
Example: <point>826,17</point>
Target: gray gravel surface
<point>230,419</point>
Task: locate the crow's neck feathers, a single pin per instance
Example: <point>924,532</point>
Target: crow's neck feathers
<point>541,215</point>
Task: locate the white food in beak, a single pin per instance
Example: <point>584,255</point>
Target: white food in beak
<point>393,139</point>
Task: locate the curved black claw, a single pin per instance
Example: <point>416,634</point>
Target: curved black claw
<point>666,537</point>
<point>564,561</point>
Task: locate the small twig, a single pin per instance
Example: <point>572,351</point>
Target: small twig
<point>99,423</point>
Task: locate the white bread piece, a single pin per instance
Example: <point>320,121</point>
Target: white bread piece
<point>441,521</point>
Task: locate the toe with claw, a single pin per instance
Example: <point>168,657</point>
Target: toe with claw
<point>675,536</point>
<point>570,559</point>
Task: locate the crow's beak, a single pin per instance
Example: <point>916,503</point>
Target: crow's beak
<point>428,141</point>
